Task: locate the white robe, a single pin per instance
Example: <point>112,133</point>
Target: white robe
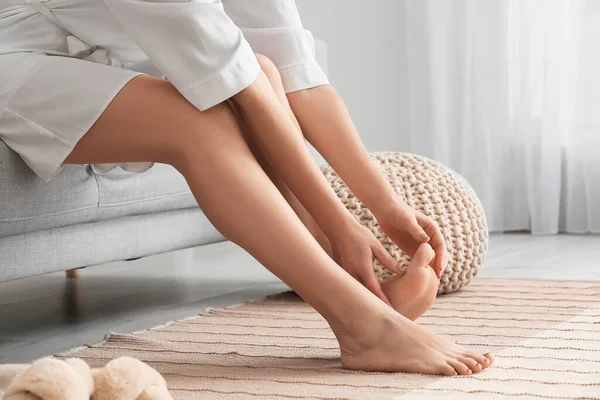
<point>204,47</point>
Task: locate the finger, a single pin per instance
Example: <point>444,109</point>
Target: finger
<point>374,286</point>
<point>354,275</point>
<point>385,258</point>
<point>411,225</point>
<point>437,242</point>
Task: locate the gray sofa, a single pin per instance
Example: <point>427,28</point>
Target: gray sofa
<point>80,218</point>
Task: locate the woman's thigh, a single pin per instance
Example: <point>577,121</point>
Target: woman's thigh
<point>150,121</point>
<point>57,110</point>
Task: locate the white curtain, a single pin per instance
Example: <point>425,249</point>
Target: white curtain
<point>507,93</point>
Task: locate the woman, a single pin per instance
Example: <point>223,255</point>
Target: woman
<point>82,82</point>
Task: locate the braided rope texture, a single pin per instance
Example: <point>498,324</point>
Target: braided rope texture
<point>438,192</point>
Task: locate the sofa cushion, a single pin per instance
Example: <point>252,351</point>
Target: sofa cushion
<point>78,195</point>
<point>29,204</point>
<point>159,189</point>
<point>100,242</point>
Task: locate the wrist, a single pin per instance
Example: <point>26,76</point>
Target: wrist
<point>340,226</point>
<point>386,205</point>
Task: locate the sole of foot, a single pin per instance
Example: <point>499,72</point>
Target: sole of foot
<point>414,292</point>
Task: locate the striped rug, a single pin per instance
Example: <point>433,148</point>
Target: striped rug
<point>545,334</point>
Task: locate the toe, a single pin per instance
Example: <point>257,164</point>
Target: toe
<point>480,358</point>
<point>489,358</point>
<point>423,257</point>
<point>447,369</point>
<point>471,363</point>
<point>459,367</point>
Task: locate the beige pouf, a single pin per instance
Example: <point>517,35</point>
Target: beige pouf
<point>436,191</point>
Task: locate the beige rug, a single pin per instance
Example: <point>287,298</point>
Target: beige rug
<point>545,334</point>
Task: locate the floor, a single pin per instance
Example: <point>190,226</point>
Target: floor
<point>48,314</point>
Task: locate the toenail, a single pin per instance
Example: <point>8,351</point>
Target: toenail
<point>469,372</point>
<point>479,365</point>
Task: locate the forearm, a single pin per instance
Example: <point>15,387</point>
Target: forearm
<point>328,127</point>
<point>277,137</point>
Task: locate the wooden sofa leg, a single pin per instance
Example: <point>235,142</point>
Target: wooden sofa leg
<point>73,273</point>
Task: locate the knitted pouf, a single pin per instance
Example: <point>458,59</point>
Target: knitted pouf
<point>436,191</point>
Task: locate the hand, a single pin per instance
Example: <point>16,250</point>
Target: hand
<point>408,229</point>
<point>354,250</point>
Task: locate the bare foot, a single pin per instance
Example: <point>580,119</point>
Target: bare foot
<point>397,344</point>
<point>414,292</point>
<point>394,343</point>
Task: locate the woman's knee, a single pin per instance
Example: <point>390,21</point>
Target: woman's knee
<point>149,120</point>
<point>210,131</point>
<point>272,73</point>
<point>268,67</point>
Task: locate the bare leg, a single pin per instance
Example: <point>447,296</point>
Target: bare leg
<point>412,293</point>
<point>150,121</point>
<point>272,74</point>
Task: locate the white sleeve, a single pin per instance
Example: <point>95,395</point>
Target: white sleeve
<point>193,43</point>
<point>273,28</point>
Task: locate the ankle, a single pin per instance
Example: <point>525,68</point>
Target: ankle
<point>360,333</point>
